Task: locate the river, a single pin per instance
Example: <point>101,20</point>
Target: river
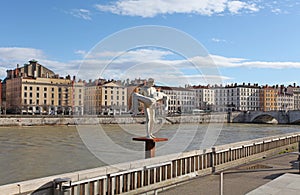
<point>35,151</point>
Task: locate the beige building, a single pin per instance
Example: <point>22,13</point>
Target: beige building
<point>92,97</point>
<point>113,98</point>
<point>105,98</point>
<point>268,98</point>
<point>34,89</point>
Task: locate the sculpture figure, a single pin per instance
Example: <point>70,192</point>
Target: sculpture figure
<point>148,96</point>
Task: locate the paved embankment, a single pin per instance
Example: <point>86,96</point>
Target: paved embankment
<point>239,180</point>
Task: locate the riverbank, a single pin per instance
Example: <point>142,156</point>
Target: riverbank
<point>29,120</point>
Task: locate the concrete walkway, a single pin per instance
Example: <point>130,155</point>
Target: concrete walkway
<point>286,184</point>
<point>240,180</point>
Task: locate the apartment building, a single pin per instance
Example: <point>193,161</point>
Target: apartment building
<point>237,97</point>
<point>268,98</point>
<point>93,97</point>
<point>34,89</point>
<point>182,100</point>
<point>204,97</point>
<point>295,90</point>
<point>285,102</point>
<point>113,98</point>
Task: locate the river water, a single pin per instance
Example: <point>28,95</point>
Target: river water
<point>33,152</point>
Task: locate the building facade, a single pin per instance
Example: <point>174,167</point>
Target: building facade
<point>295,90</point>
<point>204,97</point>
<point>237,98</point>
<point>113,99</point>
<point>182,100</point>
<point>93,97</point>
<point>268,98</point>
<point>285,102</point>
<point>34,89</point>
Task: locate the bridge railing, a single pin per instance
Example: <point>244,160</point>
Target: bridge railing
<point>156,173</point>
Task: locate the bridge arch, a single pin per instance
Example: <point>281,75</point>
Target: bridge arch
<point>264,118</point>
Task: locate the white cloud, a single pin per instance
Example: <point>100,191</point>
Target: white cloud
<point>217,40</point>
<point>81,13</point>
<point>146,8</point>
<point>236,6</point>
<point>144,63</point>
<point>2,73</point>
<point>11,56</point>
<point>80,52</point>
<point>276,11</point>
<point>8,54</point>
<point>222,61</point>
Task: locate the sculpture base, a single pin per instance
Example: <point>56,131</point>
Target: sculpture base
<point>149,144</point>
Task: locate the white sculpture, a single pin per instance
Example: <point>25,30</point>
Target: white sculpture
<point>148,96</point>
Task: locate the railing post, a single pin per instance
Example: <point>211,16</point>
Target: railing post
<point>58,185</point>
<point>213,160</point>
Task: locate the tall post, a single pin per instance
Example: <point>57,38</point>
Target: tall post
<point>221,183</point>
<point>149,145</point>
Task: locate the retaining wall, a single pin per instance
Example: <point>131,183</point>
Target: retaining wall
<point>90,120</point>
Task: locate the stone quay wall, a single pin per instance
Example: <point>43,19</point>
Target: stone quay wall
<point>29,120</point>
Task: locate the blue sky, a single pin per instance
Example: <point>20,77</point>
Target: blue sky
<point>253,41</point>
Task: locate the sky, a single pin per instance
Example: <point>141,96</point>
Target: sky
<point>173,41</point>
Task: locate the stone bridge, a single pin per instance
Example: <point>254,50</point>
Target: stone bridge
<point>280,117</point>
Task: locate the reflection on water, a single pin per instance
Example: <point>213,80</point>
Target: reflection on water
<point>32,152</point>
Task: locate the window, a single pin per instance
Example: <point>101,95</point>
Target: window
<point>25,101</point>
<point>52,102</point>
<point>45,88</point>
<point>52,89</point>
<point>30,101</point>
<point>45,95</point>
<point>45,102</point>
<point>37,95</point>
<point>37,88</point>
<point>30,88</point>
<point>52,95</point>
<point>37,102</point>
<point>30,94</point>
<point>25,88</point>
<point>25,94</point>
